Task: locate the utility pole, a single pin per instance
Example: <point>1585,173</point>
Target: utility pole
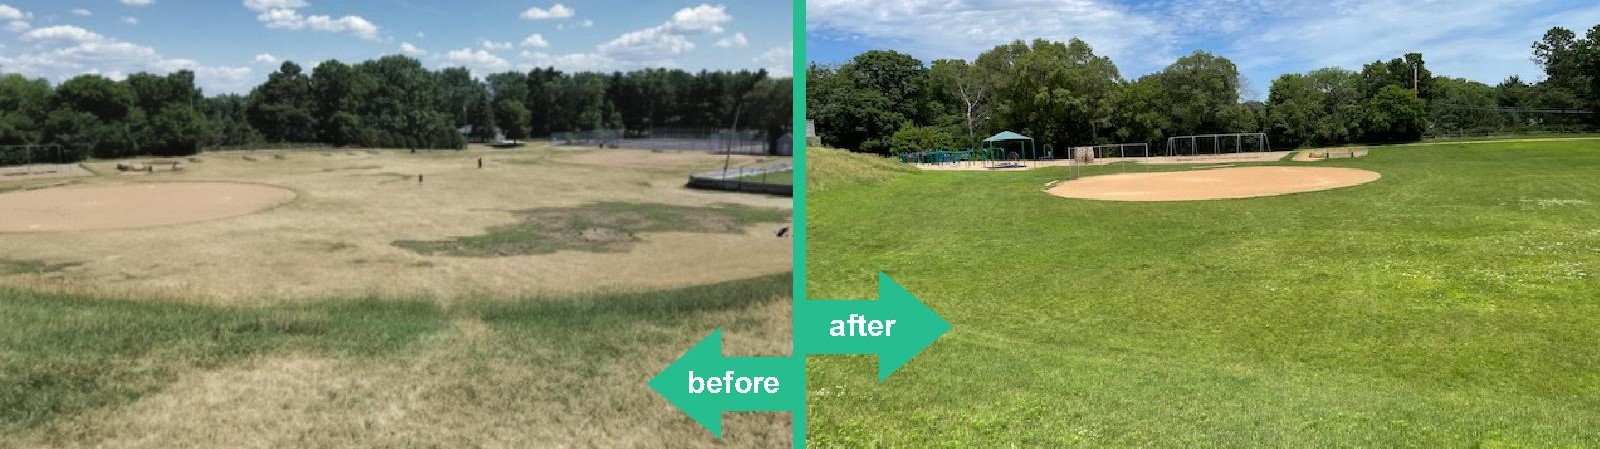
<point>1416,87</point>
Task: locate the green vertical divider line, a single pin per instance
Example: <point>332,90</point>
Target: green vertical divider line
<point>798,67</point>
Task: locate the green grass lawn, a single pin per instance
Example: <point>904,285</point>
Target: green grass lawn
<point>1455,302</point>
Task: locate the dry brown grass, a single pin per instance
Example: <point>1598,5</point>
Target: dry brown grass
<point>335,240</point>
<point>472,385</point>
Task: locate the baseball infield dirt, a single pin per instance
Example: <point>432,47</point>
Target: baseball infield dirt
<point>133,205</point>
<point>1222,183</point>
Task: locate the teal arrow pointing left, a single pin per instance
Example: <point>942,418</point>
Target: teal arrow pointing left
<point>704,384</point>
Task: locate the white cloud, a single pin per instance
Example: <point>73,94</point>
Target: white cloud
<point>407,48</point>
<point>266,58</point>
<point>63,33</point>
<point>657,45</point>
<point>82,12</point>
<point>8,12</point>
<point>779,61</point>
<point>422,35</point>
<point>699,19</point>
<point>932,29</point>
<point>737,41</point>
<point>494,46</point>
<point>571,61</point>
<point>16,19</point>
<point>479,61</point>
<point>649,42</point>
<point>535,40</point>
<point>558,11</point>
<point>130,20</point>
<point>267,5</point>
<point>138,3</point>
<point>285,14</point>
<point>585,23</point>
<point>62,51</point>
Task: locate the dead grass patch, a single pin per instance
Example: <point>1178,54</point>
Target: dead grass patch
<point>242,260</point>
<point>598,227</point>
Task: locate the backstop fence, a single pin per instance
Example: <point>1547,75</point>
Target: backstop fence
<point>32,154</point>
<point>719,141</point>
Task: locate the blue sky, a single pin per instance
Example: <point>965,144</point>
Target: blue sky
<point>233,44</point>
<point>1482,40</point>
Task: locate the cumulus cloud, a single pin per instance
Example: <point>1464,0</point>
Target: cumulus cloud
<point>655,44</point>
<point>82,12</point>
<point>779,61</point>
<point>16,19</point>
<point>285,14</point>
<point>266,58</point>
<point>702,18</point>
<point>407,48</point>
<point>558,11</point>
<point>138,3</point>
<point>62,51</point>
<point>8,12</point>
<point>481,62</point>
<point>494,46</point>
<point>934,29</point>
<point>535,40</point>
<point>571,61</point>
<point>736,41</point>
<point>130,20</point>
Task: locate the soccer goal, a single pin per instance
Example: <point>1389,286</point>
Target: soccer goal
<point>1203,144</point>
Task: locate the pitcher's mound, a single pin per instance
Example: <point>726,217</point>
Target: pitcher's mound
<point>133,205</point>
<point>1222,183</point>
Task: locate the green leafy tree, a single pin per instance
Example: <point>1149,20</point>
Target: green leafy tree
<point>1395,114</point>
<point>281,108</point>
<point>24,106</point>
<point>1197,87</point>
<point>920,138</point>
<point>513,118</point>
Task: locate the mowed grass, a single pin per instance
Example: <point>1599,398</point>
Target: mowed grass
<point>1454,302</point>
<point>77,371</point>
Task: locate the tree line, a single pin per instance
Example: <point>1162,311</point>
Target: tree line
<point>1064,94</point>
<point>388,102</point>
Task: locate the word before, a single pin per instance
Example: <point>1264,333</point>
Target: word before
<point>729,383</point>
<point>860,326</point>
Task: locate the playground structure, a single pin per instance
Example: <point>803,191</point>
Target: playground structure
<point>1218,144</point>
<point>1004,150</point>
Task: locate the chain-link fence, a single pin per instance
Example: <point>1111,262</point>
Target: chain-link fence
<point>32,154</point>
<point>719,141</point>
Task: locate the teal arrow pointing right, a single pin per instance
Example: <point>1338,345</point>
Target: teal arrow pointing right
<point>896,327</point>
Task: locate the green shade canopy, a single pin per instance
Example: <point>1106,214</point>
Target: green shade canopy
<point>1006,135</point>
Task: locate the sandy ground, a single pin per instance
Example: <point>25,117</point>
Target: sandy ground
<point>42,171</point>
<point>335,240</point>
<point>133,205</point>
<point>1221,183</point>
<point>1272,156</point>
